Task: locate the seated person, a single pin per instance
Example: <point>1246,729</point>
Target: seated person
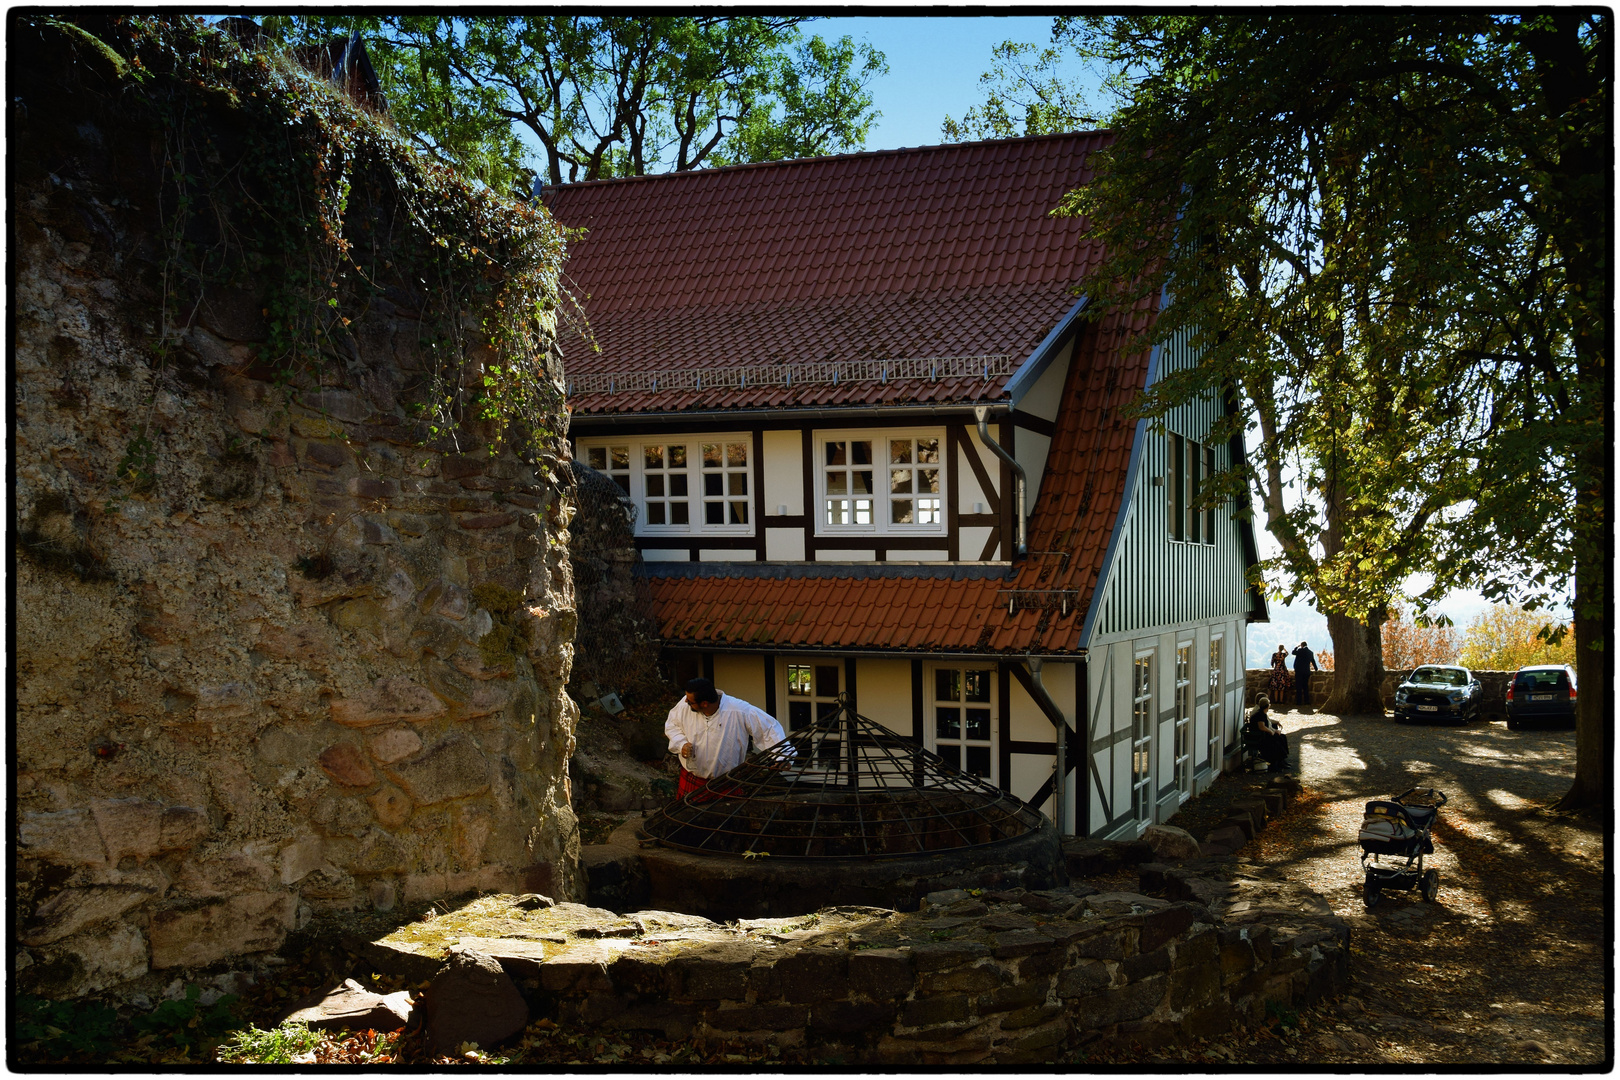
<point>1268,735</point>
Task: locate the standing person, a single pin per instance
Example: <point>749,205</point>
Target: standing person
<point>1279,676</point>
<point>709,731</point>
<point>1273,743</point>
<point>1304,664</point>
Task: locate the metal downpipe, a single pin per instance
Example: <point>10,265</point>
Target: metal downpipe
<point>1060,777</point>
<point>982,414</point>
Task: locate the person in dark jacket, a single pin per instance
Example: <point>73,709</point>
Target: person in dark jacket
<point>1268,734</point>
<point>1304,664</point>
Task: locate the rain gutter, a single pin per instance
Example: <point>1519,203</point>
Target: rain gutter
<point>982,414</point>
<point>784,414</point>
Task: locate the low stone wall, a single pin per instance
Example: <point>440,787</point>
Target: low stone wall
<point>1258,681</point>
<point>1003,978</point>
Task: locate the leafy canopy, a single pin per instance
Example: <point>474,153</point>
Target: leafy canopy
<point>588,97</point>
<point>1357,215</point>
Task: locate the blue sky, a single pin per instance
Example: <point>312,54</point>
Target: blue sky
<point>934,66</point>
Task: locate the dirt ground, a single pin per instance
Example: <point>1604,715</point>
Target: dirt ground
<point>1507,967</point>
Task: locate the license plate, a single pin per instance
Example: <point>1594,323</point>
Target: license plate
<point>1428,708</point>
<point>1542,697</point>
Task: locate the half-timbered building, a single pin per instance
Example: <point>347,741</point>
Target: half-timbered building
<point>875,447</point>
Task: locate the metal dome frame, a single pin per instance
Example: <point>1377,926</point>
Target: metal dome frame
<point>844,787</point>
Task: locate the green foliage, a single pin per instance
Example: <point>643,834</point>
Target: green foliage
<point>54,1028</point>
<point>608,95</point>
<point>275,183</point>
<point>136,467</point>
<point>1026,93</point>
<point>59,1028</point>
<point>187,1023</point>
<point>1376,228</point>
<point>1280,1015</point>
<point>278,1046</point>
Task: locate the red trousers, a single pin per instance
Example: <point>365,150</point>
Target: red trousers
<point>714,788</point>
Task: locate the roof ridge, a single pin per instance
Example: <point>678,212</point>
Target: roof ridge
<point>781,162</point>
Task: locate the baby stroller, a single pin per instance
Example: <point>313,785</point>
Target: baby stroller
<point>1398,828</point>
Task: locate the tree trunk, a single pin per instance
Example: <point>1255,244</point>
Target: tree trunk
<point>1593,788</point>
<point>1358,665</point>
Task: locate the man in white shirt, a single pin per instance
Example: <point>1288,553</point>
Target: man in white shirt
<point>710,732</point>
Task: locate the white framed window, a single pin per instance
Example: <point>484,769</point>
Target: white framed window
<point>1189,469</point>
<point>1217,714</point>
<point>1142,737</point>
<point>880,482</point>
<point>812,687</point>
<point>612,461</point>
<point>1184,720</point>
<point>681,484</point>
<point>962,720</point>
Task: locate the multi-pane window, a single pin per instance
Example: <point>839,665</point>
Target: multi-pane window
<point>1189,468</point>
<point>691,484</point>
<point>1174,482</point>
<point>914,492</point>
<point>963,732</point>
<point>725,483</point>
<point>1216,701</point>
<point>668,490</point>
<point>812,695</point>
<point>1142,737</point>
<point>847,472</point>
<point>884,482</point>
<point>614,461</point>
<point>1184,719</point>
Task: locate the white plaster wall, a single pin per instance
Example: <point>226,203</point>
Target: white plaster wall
<point>784,545</point>
<point>783,455</point>
<point>883,692</point>
<point>972,539</point>
<point>741,676</point>
<point>724,555</point>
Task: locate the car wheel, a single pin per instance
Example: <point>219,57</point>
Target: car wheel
<point>1429,886</point>
<point>1513,723</point>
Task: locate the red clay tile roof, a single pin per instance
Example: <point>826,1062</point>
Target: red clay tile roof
<point>943,251</point>
<point>1083,486</point>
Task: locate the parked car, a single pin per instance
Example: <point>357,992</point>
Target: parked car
<point>1543,694</point>
<point>1438,692</point>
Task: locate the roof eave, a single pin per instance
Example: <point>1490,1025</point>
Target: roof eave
<point>1030,371</point>
<point>593,420</point>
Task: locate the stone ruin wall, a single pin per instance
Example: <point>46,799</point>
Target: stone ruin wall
<point>250,690</point>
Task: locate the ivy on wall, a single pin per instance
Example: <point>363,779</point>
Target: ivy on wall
<point>275,181</point>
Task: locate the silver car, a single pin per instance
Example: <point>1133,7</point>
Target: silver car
<point>1438,692</point>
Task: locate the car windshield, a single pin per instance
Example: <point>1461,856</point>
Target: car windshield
<point>1444,676</point>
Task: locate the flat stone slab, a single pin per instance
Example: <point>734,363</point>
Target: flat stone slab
<point>351,1007</point>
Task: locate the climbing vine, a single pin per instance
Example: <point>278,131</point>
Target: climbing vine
<point>273,179</point>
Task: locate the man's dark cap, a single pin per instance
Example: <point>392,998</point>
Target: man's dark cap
<point>702,690</point>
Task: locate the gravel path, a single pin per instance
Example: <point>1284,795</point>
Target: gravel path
<point>1508,965</point>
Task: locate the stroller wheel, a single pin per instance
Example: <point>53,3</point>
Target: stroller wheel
<point>1429,886</point>
<point>1371,894</point>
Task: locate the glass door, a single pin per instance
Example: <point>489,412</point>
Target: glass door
<point>964,731</point>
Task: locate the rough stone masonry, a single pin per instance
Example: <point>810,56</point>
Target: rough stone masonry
<point>249,686</point>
